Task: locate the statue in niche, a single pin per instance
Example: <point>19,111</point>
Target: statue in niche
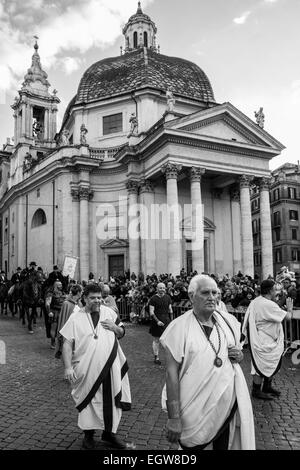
<point>37,129</point>
<point>83,132</point>
<point>65,137</point>
<point>28,160</point>
<point>170,100</point>
<point>133,125</point>
<point>260,117</point>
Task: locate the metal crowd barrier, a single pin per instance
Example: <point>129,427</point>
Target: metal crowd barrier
<point>130,310</point>
<point>291,330</point>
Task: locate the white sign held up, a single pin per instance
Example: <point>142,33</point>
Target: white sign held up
<point>69,268</point>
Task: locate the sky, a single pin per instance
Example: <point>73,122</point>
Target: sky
<point>249,50</point>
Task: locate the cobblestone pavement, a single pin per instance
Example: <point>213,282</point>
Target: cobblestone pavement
<point>37,411</point>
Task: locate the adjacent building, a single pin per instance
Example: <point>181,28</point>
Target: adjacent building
<point>284,190</point>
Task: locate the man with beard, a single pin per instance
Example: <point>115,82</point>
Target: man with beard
<point>263,328</point>
<point>97,369</point>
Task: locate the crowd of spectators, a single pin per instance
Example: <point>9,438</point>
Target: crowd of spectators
<point>236,291</point>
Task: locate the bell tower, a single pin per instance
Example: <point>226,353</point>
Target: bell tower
<point>35,109</point>
<point>140,31</point>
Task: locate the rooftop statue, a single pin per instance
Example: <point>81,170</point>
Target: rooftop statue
<point>170,100</point>
<point>260,117</point>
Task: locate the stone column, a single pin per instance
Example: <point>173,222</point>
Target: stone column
<point>30,122</point>
<point>265,229</point>
<point>46,124</point>
<point>54,123</point>
<point>246,222</point>
<point>27,126</point>
<point>236,229</point>
<point>23,126</point>
<point>76,225</point>
<point>148,255</point>
<point>85,194</point>
<point>15,127</point>
<point>171,171</point>
<point>133,227</point>
<point>197,219</point>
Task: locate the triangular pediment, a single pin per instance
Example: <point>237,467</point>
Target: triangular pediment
<point>186,224</point>
<point>115,243</point>
<point>224,123</point>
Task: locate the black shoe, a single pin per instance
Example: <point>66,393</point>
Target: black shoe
<point>272,391</point>
<point>267,387</point>
<point>261,395</point>
<point>157,361</point>
<point>113,440</point>
<point>88,442</point>
<point>58,355</point>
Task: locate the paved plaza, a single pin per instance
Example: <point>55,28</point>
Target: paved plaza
<point>37,412</point>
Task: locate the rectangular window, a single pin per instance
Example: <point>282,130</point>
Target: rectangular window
<point>276,194</point>
<point>12,245</point>
<point>5,235</point>
<point>293,215</point>
<point>294,234</point>
<point>277,234</point>
<point>112,124</point>
<point>254,226</point>
<point>295,254</point>
<point>292,193</point>
<point>278,256</point>
<point>276,218</point>
<point>38,193</point>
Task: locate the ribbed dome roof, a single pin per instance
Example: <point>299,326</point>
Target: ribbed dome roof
<point>140,69</point>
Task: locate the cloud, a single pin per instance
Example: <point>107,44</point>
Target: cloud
<point>66,28</point>
<point>270,1</point>
<point>242,19</point>
<point>70,64</point>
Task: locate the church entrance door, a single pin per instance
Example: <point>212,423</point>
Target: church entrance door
<point>116,265</point>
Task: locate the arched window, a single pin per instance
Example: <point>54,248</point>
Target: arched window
<point>39,218</point>
<point>145,39</point>
<point>135,39</point>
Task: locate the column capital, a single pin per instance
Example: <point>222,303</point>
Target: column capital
<point>75,194</point>
<point>196,173</point>
<point>85,193</point>
<point>235,194</point>
<point>171,170</point>
<point>245,181</point>
<point>132,186</point>
<point>146,186</point>
<point>264,183</point>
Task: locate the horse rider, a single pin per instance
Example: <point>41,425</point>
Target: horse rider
<point>3,292</point>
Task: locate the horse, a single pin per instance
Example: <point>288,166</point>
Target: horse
<point>31,295</point>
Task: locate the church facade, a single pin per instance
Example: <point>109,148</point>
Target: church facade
<point>147,173</point>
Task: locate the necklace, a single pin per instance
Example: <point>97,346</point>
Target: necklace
<point>92,326</point>
<point>218,361</point>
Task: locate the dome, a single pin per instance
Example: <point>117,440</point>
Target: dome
<point>143,68</point>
